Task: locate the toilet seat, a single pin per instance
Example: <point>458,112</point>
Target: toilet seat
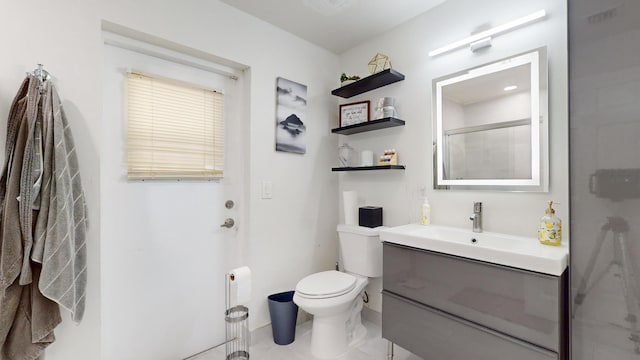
<point>326,284</point>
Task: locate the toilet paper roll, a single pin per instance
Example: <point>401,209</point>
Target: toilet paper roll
<point>350,201</point>
<point>241,284</point>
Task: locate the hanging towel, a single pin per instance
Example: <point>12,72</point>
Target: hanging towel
<point>27,318</point>
<point>11,250</point>
<point>61,227</point>
<point>43,224</point>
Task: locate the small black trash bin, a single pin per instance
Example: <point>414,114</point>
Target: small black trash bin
<point>284,313</point>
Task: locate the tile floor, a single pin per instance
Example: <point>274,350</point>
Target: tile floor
<point>373,347</point>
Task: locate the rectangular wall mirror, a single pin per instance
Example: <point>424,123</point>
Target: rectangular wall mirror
<point>491,126</point>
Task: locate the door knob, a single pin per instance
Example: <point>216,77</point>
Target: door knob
<point>228,223</point>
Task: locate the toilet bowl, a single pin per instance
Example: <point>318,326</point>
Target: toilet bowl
<point>335,298</point>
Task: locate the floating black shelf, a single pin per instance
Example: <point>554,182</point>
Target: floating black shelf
<point>382,78</point>
<point>368,126</point>
<point>362,168</point>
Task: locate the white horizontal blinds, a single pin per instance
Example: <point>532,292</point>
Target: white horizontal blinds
<point>174,130</point>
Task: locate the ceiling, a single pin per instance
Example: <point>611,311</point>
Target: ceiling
<point>336,25</point>
<point>489,86</point>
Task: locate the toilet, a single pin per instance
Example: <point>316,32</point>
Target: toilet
<point>334,298</point>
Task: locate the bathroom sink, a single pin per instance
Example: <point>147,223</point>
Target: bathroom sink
<point>515,251</point>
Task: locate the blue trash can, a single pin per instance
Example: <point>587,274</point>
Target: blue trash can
<point>284,313</point>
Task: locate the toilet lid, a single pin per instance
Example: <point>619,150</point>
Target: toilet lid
<point>326,284</point>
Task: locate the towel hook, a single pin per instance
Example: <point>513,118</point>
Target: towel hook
<point>42,75</point>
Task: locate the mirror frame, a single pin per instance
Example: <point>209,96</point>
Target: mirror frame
<point>539,129</point>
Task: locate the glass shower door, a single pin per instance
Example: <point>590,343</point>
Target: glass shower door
<point>604,87</point>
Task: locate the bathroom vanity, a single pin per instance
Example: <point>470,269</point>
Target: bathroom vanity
<point>453,294</point>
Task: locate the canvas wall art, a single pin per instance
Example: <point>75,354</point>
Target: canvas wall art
<point>291,112</point>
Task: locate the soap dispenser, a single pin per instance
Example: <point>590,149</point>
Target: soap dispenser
<point>426,212</point>
<point>550,228</point>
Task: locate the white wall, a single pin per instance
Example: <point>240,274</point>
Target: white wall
<point>407,45</point>
<point>515,106</point>
<point>289,236</point>
<point>454,113</point>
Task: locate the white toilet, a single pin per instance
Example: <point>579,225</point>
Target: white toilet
<point>335,298</point>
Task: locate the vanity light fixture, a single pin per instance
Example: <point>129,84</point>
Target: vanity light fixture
<point>489,33</point>
<point>480,44</point>
<point>510,87</point>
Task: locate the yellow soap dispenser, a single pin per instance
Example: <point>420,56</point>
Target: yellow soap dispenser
<point>426,212</point>
<point>550,228</point>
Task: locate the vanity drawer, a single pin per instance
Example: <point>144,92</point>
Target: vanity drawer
<point>435,335</point>
<point>523,304</point>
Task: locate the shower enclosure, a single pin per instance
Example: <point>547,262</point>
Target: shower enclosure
<point>604,87</point>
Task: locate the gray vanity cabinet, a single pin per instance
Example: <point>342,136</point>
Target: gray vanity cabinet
<point>446,307</point>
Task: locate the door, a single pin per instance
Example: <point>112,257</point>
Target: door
<point>162,248</point>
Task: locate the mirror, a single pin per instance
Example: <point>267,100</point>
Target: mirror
<point>491,126</point>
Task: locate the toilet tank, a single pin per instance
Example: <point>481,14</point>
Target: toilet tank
<point>361,249</point>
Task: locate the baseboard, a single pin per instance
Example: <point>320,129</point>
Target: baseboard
<point>260,334</point>
<point>372,316</point>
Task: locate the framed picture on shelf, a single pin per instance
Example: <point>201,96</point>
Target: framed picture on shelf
<point>354,113</point>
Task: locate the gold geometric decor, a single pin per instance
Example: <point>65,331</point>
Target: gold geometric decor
<point>378,63</point>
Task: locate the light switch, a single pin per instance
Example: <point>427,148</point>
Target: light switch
<point>267,189</point>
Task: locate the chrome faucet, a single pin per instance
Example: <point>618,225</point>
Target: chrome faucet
<point>476,217</point>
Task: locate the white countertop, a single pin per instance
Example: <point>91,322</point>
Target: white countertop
<point>515,251</point>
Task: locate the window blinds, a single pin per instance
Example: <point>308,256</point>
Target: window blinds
<point>175,130</point>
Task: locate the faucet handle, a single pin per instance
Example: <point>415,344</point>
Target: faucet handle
<point>477,207</point>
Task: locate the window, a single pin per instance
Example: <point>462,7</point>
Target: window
<point>175,130</point>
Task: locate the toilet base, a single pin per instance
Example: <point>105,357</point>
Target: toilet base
<point>328,336</point>
<point>331,336</point>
